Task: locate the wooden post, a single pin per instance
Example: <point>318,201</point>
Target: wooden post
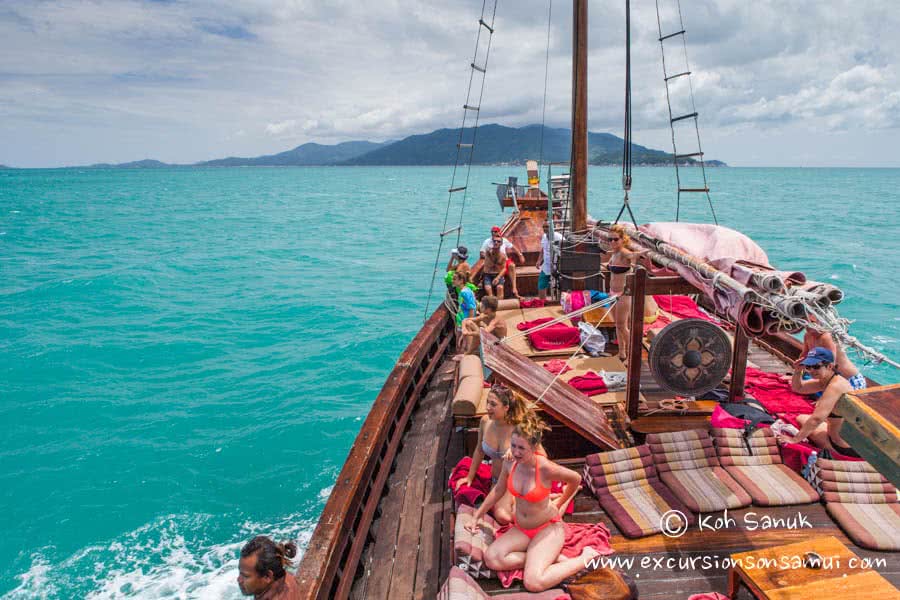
<point>635,349</point>
<point>579,151</point>
<point>739,365</point>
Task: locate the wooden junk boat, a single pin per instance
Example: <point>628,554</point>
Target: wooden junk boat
<point>387,530</point>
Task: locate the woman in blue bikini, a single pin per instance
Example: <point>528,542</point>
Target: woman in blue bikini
<point>503,412</point>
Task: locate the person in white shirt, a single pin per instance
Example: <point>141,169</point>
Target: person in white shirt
<point>544,260</point>
<point>508,249</point>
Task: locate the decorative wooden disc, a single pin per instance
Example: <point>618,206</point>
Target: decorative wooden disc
<point>690,357</point>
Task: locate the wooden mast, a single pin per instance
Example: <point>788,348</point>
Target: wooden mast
<point>579,153</point>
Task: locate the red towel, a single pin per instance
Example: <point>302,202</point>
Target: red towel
<point>531,324</point>
<point>774,393</point>
<point>590,384</point>
<point>681,307</point>
<point>480,487</point>
<point>532,303</point>
<point>660,322</point>
<point>555,337</point>
<point>578,537</point>
<point>557,366</point>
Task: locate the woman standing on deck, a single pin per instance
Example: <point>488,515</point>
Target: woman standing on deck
<point>538,533</point>
<point>620,264</point>
<point>504,411</point>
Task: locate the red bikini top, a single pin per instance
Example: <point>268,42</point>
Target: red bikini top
<point>535,494</point>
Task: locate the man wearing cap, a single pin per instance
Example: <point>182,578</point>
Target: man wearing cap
<point>823,339</point>
<point>507,248</point>
<point>822,428</point>
<point>459,257</point>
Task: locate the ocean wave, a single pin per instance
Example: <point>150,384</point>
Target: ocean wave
<point>172,557</point>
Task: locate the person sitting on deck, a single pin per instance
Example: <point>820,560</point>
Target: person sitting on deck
<point>508,248</point>
<point>488,320</point>
<point>620,264</point>
<point>823,426</point>
<point>262,570</point>
<point>494,269</point>
<point>823,339</point>
<point>458,262</point>
<point>538,533</point>
<point>503,411</point>
<point>544,262</point>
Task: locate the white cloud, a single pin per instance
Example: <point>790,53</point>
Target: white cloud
<point>177,79</point>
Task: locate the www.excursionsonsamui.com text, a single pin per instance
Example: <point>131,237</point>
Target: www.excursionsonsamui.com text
<point>793,561</point>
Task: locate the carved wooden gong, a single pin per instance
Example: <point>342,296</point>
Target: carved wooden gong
<point>690,357</point>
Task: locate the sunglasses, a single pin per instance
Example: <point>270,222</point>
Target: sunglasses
<point>815,367</point>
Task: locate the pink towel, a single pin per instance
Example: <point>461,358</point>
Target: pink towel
<point>557,366</point>
<point>578,537</point>
<point>722,418</point>
<point>590,384</point>
<point>709,596</point>
<point>481,485</point>
<point>577,301</point>
<point>682,307</point>
<point>774,393</point>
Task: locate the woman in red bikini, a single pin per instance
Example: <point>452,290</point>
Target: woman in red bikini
<point>538,533</point>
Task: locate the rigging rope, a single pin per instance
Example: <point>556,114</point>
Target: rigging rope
<point>575,313</point>
<point>546,78</point>
<point>482,24</point>
<point>573,355</point>
<point>626,151</point>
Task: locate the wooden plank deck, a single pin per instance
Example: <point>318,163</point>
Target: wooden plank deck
<point>408,555</point>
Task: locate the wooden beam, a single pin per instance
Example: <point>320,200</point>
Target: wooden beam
<point>872,427</point>
<point>559,399</point>
<point>739,364</point>
<point>665,285</point>
<point>579,153</point>
<point>638,280</point>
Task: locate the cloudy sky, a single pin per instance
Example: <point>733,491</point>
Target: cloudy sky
<point>806,83</point>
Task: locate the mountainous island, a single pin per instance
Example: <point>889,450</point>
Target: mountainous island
<point>495,144</point>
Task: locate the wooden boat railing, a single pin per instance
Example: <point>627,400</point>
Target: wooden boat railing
<point>332,557</point>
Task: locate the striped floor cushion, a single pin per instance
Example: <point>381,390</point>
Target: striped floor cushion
<point>687,464</point>
<point>755,463</point>
<point>628,488</point>
<point>469,549</point>
<point>773,485</point>
<point>873,526</point>
<point>460,586</point>
<point>862,502</point>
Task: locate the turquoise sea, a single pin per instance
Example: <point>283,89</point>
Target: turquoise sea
<point>186,355</point>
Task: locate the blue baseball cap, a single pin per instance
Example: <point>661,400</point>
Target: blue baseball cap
<point>817,356</point>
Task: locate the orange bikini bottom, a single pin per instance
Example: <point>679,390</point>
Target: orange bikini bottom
<point>533,532</point>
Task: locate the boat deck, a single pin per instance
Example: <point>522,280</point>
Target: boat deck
<point>408,554</point>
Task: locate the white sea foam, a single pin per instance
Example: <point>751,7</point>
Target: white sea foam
<point>163,559</point>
